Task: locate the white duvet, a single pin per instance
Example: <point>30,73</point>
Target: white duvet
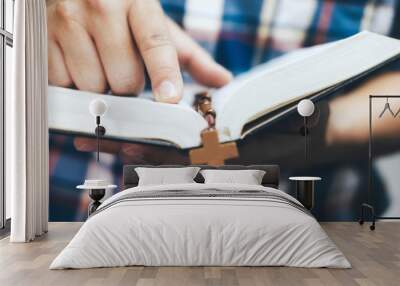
<point>192,231</point>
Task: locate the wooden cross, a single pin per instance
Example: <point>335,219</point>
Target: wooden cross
<point>213,153</point>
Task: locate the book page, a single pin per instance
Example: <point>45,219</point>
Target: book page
<point>127,118</point>
<point>221,96</point>
<point>286,83</point>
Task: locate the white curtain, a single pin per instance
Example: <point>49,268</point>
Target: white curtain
<point>26,124</point>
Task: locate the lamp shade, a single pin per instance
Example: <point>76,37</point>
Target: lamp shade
<point>305,107</point>
<point>97,107</point>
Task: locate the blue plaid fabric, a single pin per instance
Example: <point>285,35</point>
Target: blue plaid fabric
<point>239,34</point>
<point>243,33</point>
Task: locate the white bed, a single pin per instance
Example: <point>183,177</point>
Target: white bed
<point>249,225</point>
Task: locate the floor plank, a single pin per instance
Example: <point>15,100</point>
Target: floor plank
<point>375,257</point>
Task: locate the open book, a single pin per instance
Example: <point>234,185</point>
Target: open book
<point>252,100</point>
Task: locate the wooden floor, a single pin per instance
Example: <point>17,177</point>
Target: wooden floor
<point>375,257</point>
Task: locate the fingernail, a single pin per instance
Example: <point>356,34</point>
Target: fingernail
<point>166,91</point>
<point>226,72</point>
<point>229,75</point>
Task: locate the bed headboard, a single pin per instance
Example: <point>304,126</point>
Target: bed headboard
<point>271,177</point>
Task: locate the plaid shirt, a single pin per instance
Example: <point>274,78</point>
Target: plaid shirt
<point>244,33</point>
<point>239,34</point>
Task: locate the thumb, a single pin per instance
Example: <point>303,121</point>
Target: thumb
<point>196,60</point>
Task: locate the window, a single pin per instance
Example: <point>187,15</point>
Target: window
<point>6,44</point>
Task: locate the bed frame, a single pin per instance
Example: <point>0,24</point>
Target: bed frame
<point>271,177</point>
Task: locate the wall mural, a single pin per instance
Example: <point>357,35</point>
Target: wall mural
<point>93,47</point>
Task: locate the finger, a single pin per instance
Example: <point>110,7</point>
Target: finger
<point>139,153</point>
<point>196,60</point>
<point>90,145</point>
<point>121,60</point>
<point>80,53</point>
<point>160,57</point>
<point>135,153</point>
<point>132,153</point>
<point>58,73</point>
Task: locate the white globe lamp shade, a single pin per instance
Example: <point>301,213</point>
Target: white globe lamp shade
<point>305,107</point>
<point>97,107</point>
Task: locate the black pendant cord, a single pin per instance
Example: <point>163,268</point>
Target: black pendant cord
<point>98,147</point>
<point>306,153</point>
<point>98,138</point>
<point>308,143</point>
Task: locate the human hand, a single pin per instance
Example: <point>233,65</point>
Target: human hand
<point>354,127</point>
<point>96,45</point>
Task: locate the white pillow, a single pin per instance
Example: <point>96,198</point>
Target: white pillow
<point>248,177</point>
<point>165,176</point>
